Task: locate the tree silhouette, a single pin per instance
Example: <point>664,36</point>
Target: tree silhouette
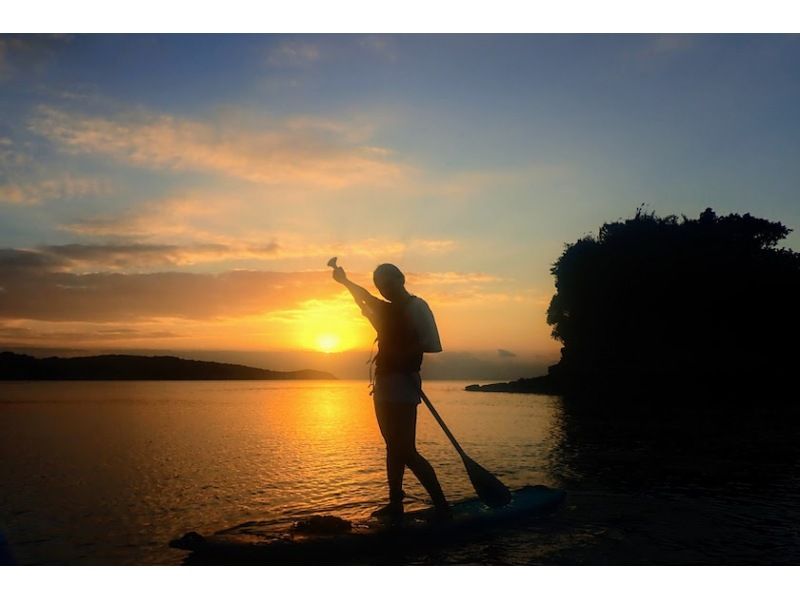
<point>659,302</point>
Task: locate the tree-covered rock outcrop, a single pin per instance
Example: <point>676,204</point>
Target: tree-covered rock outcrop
<point>652,304</point>
<point>671,301</point>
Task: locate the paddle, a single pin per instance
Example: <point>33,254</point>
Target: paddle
<point>490,490</point>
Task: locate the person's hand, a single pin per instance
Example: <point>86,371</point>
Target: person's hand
<point>339,275</point>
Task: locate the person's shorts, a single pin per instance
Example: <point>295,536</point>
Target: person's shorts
<point>397,387</point>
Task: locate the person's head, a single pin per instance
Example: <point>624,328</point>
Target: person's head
<point>389,281</point>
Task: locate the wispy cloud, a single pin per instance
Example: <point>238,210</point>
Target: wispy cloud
<point>9,46</point>
<point>83,257</point>
<point>23,53</point>
<point>294,53</point>
<point>298,151</point>
<point>650,50</point>
<point>448,278</point>
<point>39,291</point>
<point>670,43</point>
<point>11,158</point>
<point>191,229</point>
<point>53,283</point>
<point>167,218</point>
<point>64,187</point>
<point>32,332</point>
<point>467,288</point>
<point>46,299</point>
<point>80,257</point>
<point>380,45</point>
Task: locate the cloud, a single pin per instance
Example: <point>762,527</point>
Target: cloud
<point>505,354</point>
<point>238,222</point>
<point>34,333</point>
<point>65,187</point>
<point>653,50</point>
<point>379,45</point>
<point>82,257</point>
<point>36,289</point>
<point>290,54</point>
<point>11,158</point>
<point>450,277</point>
<point>84,295</point>
<point>467,288</point>
<point>183,229</point>
<point>77,258</point>
<point>434,245</point>
<point>93,283</point>
<point>26,53</point>
<point>145,256</point>
<point>304,151</point>
<point>671,43</point>
<point>296,54</point>
<point>9,48</point>
<point>16,260</point>
<point>478,297</point>
<point>165,218</point>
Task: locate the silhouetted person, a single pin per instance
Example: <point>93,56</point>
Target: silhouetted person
<point>406,329</point>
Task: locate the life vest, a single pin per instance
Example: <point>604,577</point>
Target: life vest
<point>398,343</point>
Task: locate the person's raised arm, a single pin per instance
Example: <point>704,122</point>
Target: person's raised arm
<point>362,296</point>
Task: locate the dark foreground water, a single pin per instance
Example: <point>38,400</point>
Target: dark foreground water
<point>108,473</point>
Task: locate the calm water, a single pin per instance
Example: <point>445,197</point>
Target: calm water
<point>109,472</point>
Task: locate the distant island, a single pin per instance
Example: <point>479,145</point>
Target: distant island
<point>14,366</point>
<point>654,306</point>
<point>540,385</point>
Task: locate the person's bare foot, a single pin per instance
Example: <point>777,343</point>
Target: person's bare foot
<point>392,510</point>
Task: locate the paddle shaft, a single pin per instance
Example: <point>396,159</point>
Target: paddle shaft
<point>438,418</point>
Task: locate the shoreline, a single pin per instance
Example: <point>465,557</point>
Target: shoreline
<point>543,385</point>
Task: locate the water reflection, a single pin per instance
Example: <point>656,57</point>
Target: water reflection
<point>680,482</point>
<point>110,472</point>
<point>638,446</point>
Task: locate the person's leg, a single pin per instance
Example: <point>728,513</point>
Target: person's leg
<point>395,459</point>
<point>427,477</point>
<point>420,467</point>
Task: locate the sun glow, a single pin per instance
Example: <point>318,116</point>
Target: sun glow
<point>328,343</point>
<point>330,325</point>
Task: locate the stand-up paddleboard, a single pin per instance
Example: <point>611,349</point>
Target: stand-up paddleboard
<point>321,540</point>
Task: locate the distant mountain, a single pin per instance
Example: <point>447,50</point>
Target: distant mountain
<point>14,366</point>
<point>541,385</point>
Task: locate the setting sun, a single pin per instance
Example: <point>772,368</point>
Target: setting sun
<point>328,343</point>
<point>327,325</point>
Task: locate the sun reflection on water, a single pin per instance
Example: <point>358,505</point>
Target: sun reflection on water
<point>159,459</point>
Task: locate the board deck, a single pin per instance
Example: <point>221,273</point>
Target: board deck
<point>367,538</point>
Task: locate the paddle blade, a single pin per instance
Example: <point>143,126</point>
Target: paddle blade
<point>490,490</point>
